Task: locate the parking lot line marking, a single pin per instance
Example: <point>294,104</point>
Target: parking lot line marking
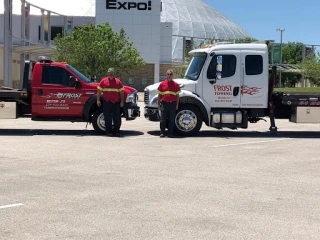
<point>245,143</point>
<point>11,205</point>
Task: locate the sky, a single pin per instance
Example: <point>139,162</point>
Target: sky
<point>260,18</point>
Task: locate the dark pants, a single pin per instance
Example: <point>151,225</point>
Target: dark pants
<point>168,113</point>
<point>111,111</point>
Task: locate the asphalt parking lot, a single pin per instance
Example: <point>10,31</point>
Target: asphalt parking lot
<point>61,181</point>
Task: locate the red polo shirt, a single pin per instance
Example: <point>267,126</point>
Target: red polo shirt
<point>111,89</point>
<point>168,91</point>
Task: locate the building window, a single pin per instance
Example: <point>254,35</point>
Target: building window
<point>229,65</point>
<point>55,30</point>
<point>254,64</point>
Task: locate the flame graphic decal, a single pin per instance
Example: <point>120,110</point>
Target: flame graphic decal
<point>249,90</point>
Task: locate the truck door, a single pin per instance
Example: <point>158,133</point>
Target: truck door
<point>55,96</point>
<point>254,88</point>
<point>221,89</point>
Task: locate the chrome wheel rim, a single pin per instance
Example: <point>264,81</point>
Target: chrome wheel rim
<point>100,122</point>
<point>186,120</point>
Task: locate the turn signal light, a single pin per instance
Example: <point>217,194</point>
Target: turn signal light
<point>207,46</point>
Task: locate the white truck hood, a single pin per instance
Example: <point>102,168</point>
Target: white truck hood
<point>185,84</point>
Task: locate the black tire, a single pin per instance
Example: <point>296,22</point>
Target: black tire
<point>193,115</point>
<point>98,121</point>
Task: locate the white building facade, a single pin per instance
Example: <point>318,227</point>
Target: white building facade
<point>141,22</point>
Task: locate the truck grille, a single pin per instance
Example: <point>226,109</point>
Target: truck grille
<point>146,97</point>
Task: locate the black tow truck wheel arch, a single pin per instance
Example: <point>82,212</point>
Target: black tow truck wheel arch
<point>89,108</point>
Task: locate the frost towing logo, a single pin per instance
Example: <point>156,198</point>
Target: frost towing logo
<point>64,95</point>
<point>142,6</point>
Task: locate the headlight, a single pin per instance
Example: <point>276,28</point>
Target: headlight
<point>154,100</point>
<point>132,97</point>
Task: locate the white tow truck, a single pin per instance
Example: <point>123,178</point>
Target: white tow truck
<point>230,85</point>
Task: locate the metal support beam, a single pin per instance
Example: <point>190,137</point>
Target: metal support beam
<point>184,49</point>
<point>49,27</point>
<point>272,51</point>
<point>192,44</point>
<point>27,29</point>
<point>23,31</point>
<point>303,59</point>
<point>281,32</point>
<point>65,23</point>
<point>42,27</point>
<point>7,54</point>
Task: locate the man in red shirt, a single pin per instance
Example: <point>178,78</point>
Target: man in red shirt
<point>113,99</point>
<point>168,103</point>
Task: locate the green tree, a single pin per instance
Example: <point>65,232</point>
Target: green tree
<point>292,53</point>
<point>311,68</point>
<point>93,48</point>
<point>291,78</point>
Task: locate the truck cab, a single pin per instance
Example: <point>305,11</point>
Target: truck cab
<point>225,85</point>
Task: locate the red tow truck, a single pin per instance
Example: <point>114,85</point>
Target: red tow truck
<point>56,91</point>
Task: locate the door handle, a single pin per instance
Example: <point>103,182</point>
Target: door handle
<point>40,91</point>
<point>235,91</point>
<point>212,81</point>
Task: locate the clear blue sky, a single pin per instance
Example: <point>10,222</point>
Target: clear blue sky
<point>260,18</point>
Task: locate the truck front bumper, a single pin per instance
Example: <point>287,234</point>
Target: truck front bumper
<point>132,111</point>
<point>152,114</point>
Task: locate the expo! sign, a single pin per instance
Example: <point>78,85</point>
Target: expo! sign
<point>114,4</point>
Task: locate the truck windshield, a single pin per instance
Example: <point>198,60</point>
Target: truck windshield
<point>79,74</point>
<point>195,66</point>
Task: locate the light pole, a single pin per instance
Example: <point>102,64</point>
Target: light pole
<point>281,31</point>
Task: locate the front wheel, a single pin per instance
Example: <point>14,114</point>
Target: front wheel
<point>98,121</point>
<point>188,120</point>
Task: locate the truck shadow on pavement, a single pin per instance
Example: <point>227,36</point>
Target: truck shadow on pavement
<point>60,132</point>
<point>247,134</point>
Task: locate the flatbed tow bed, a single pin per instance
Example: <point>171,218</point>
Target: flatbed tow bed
<point>14,94</point>
<point>287,105</point>
<point>299,99</point>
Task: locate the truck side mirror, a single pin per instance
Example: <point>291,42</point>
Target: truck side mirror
<point>73,82</point>
<point>77,84</point>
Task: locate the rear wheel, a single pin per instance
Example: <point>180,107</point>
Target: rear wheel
<point>188,120</point>
<point>98,121</point>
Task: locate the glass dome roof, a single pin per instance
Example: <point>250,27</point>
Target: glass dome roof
<point>196,19</point>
